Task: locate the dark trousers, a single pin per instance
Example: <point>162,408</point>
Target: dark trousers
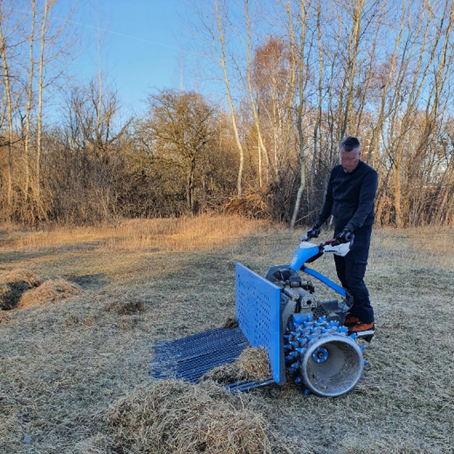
<point>350,271</point>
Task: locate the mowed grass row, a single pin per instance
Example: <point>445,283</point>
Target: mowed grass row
<point>74,372</point>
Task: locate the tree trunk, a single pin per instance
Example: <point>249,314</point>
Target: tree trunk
<point>229,98</point>
<point>9,178</point>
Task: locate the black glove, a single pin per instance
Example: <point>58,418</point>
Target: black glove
<point>314,232</point>
<point>345,236</point>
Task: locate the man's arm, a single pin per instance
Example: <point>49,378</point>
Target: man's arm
<point>366,201</point>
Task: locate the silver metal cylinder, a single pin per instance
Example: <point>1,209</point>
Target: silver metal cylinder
<point>331,365</point>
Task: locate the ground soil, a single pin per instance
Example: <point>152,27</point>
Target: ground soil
<point>66,365</point>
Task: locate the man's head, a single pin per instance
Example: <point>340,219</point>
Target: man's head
<point>350,152</point>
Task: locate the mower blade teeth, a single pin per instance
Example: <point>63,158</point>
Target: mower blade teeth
<point>303,339</point>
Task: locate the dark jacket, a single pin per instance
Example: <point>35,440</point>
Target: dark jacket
<point>350,198</point>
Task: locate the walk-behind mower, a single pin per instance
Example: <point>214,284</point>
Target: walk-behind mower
<point>304,336</point>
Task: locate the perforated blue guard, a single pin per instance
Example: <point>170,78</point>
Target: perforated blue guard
<point>258,311</point>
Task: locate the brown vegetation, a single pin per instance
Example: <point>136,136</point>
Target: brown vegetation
<point>75,375</point>
<point>126,307</point>
<point>176,417</point>
<point>380,70</point>
<point>51,291</point>
<point>152,235</point>
<point>252,364</point>
<point>13,285</point>
<point>20,275</point>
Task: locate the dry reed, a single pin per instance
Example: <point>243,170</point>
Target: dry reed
<point>126,307</point>
<point>170,416</point>
<point>176,234</point>
<point>51,291</point>
<point>20,275</point>
<point>13,284</point>
<point>63,365</point>
<point>230,322</point>
<point>252,364</point>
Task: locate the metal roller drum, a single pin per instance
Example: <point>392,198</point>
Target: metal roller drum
<point>323,358</point>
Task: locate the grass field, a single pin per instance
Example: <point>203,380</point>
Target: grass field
<point>70,363</point>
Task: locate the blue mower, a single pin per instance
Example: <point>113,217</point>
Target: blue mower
<point>304,337</point>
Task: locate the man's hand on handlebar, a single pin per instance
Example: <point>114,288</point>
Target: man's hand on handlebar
<point>344,237</point>
<point>314,232</point>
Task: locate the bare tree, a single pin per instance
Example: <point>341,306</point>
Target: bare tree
<point>183,129</point>
<point>212,32</point>
<point>302,84</point>
<point>83,163</point>
<point>28,71</point>
<point>51,48</point>
<point>28,110</point>
<point>5,48</point>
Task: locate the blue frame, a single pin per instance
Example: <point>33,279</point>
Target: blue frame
<point>258,311</point>
<point>325,280</point>
<point>303,253</point>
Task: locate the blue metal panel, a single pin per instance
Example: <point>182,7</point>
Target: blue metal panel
<point>258,311</point>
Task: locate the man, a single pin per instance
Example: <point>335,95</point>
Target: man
<point>350,199</point>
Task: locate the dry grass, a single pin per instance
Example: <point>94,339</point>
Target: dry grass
<point>4,317</point>
<point>252,364</point>
<point>20,275</point>
<point>51,291</point>
<point>255,364</point>
<point>231,322</point>
<point>181,234</point>
<point>175,417</point>
<point>66,367</point>
<point>13,284</point>
<point>126,307</point>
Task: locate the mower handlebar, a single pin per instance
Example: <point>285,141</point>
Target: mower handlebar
<point>336,242</point>
<point>330,241</point>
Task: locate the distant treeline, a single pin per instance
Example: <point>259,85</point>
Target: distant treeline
<point>381,70</point>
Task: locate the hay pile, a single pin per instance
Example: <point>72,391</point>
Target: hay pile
<point>231,322</point>
<point>126,307</point>
<point>20,275</point>
<point>22,289</point>
<point>51,291</point>
<point>252,364</point>
<point>173,416</point>
<point>13,284</point>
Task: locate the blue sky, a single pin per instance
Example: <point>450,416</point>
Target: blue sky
<point>140,50</point>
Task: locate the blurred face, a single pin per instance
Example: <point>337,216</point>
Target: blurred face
<point>349,159</point>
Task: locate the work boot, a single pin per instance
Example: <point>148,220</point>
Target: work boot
<point>362,328</point>
<point>351,320</point>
